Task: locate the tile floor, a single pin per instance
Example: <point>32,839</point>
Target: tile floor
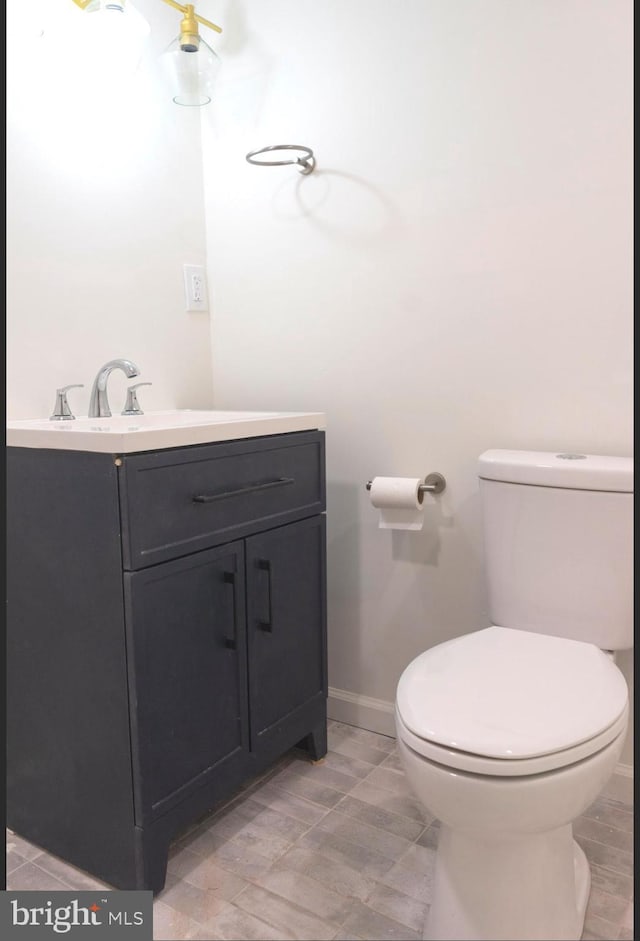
<point>333,850</point>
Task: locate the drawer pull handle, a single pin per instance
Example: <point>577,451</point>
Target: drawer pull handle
<point>265,566</point>
<point>265,485</point>
<point>229,578</point>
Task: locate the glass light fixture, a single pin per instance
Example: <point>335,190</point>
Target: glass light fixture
<point>190,63</point>
<point>113,38</point>
<point>114,35</point>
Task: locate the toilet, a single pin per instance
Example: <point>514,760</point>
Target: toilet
<point>508,733</point>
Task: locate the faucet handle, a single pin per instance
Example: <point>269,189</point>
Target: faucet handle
<point>61,410</point>
<point>131,406</point>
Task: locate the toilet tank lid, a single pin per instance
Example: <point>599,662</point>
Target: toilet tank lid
<point>571,470</point>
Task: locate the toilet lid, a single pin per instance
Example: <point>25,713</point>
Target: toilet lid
<point>510,694</point>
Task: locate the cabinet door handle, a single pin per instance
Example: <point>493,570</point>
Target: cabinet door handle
<point>229,578</point>
<point>224,494</point>
<point>265,566</point>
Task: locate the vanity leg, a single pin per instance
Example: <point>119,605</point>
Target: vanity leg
<point>315,743</point>
<point>154,856</point>
<point>157,871</point>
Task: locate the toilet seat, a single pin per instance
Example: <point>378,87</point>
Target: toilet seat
<point>506,702</point>
<point>499,767</point>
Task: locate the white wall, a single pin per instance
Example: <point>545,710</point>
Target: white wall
<point>105,204</point>
<point>454,276</point>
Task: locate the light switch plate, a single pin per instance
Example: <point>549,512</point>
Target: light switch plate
<point>195,288</point>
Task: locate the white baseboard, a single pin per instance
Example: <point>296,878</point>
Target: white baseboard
<point>376,715</point>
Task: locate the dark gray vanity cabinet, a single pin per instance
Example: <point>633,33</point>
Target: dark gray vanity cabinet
<point>166,638</point>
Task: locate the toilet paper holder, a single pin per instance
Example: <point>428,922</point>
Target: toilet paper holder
<point>433,483</point>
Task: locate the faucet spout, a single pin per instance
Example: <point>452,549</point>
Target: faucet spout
<point>99,403</point>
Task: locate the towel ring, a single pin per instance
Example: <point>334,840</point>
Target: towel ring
<point>305,164</point>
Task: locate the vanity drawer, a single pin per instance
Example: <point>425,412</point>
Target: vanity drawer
<point>182,500</point>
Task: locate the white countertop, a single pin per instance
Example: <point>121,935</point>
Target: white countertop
<point>154,430</point>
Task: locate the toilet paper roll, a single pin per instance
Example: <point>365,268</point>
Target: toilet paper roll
<point>399,500</point>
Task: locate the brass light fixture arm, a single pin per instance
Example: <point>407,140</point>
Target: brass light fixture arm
<point>189,13</point>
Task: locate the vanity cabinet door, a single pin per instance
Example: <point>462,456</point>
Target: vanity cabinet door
<point>286,627</point>
<point>186,652</point>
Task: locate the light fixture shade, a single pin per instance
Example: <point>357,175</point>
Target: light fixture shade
<point>116,33</point>
<point>191,72</point>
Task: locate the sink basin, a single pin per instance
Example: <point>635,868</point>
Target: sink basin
<point>123,434</point>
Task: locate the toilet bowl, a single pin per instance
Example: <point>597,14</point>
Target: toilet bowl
<point>506,736</point>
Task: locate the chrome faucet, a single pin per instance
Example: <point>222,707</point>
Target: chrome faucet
<point>99,404</point>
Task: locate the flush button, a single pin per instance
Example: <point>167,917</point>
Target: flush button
<point>572,457</point>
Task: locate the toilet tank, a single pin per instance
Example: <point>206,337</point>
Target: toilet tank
<point>558,534</point>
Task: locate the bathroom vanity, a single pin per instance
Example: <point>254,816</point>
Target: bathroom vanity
<point>166,631</point>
